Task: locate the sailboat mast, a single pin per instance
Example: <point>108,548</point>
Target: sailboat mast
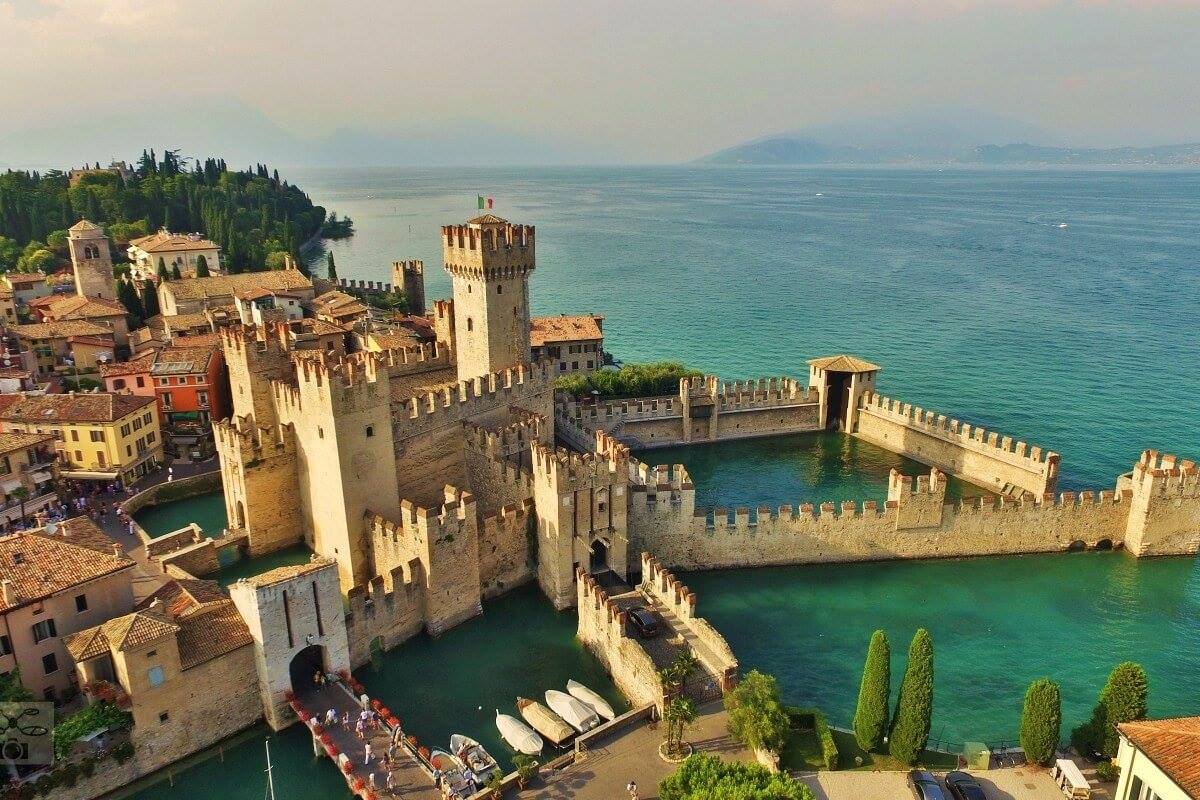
<point>270,778</point>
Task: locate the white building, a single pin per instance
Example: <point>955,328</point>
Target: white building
<point>1159,759</point>
<point>183,250</point>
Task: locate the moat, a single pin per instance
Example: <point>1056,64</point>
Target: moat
<point>1074,616</point>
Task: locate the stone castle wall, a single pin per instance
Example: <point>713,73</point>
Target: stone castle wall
<point>988,459</point>
<point>1165,517</point>
<point>602,630</point>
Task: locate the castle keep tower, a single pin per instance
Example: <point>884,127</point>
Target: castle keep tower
<point>409,277</point>
<point>489,260</point>
<point>91,261</point>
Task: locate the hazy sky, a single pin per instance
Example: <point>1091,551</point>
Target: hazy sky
<point>642,80</point>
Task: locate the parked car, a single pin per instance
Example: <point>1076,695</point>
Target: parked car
<point>963,786</point>
<point>647,622</point>
<point>924,786</point>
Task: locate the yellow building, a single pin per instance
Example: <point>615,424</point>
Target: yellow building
<point>99,436</point>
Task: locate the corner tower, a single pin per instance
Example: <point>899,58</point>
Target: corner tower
<point>91,261</point>
<point>489,260</point>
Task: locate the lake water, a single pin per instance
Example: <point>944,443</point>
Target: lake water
<point>963,287</point>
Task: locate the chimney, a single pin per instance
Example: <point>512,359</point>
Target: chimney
<point>9,593</point>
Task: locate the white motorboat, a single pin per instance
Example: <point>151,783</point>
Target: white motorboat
<point>452,772</point>
<point>471,753</point>
<point>545,721</point>
<point>520,737</point>
<point>590,699</point>
<point>579,715</point>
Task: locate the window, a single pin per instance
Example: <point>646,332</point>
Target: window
<point>370,431</point>
<point>100,458</point>
<point>166,400</point>
<point>97,435</point>
<point>5,465</point>
<point>141,382</point>
<point>128,451</point>
<point>81,603</point>
<point>499,288</point>
<point>50,663</point>
<point>150,437</point>
<point>137,424</point>
<point>141,446</point>
<point>78,456</point>
<point>163,716</point>
<point>118,383</point>
<point>155,676</point>
<point>470,324</point>
<point>44,630</point>
<point>74,435</point>
<point>125,429</point>
<point>5,645</point>
<point>146,418</point>
<point>202,398</point>
<point>164,381</point>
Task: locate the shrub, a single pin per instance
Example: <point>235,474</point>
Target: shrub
<point>1108,772</point>
<point>89,719</point>
<point>871,715</point>
<point>704,777</point>
<point>632,380</point>
<point>1123,699</point>
<point>756,717</point>
<point>1041,719</point>
<point>814,719</point>
<point>914,707</point>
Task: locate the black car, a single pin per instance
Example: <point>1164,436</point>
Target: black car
<point>924,786</point>
<point>646,622</point>
<point>963,786</point>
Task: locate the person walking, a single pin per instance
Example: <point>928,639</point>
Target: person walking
<point>632,789</point>
<point>366,754</point>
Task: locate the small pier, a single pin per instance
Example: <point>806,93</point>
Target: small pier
<point>412,777</point>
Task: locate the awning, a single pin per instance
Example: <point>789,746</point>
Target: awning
<point>9,486</point>
<point>180,416</point>
<point>88,475</point>
<point>43,475</point>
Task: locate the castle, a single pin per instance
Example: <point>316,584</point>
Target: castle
<point>433,477</point>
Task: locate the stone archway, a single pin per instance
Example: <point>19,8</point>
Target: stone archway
<point>240,522</point>
<point>598,556</point>
<point>304,666</point>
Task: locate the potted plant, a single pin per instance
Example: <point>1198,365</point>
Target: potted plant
<point>494,782</point>
<point>527,769</point>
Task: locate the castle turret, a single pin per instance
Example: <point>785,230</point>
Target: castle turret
<point>253,363</point>
<point>489,260</point>
<point>1164,515</point>
<point>91,261</point>
<point>919,508</point>
<point>409,277</point>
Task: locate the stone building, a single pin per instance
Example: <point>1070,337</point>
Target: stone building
<point>187,251</point>
<point>571,344</point>
<point>91,261</point>
<point>194,295</point>
<point>27,473</point>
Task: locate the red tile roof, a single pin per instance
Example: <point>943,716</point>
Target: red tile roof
<point>1174,747</point>
<point>547,330</point>
<point>40,564</point>
<point>77,407</point>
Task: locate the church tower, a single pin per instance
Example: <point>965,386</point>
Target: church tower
<point>489,260</point>
<point>91,261</point>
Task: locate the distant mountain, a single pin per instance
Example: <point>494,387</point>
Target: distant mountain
<point>1175,155</point>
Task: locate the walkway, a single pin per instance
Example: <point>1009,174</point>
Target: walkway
<point>632,754</point>
<point>1012,783</point>
<point>410,781</point>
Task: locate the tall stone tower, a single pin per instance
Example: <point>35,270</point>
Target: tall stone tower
<point>489,260</point>
<point>91,261</point>
<point>409,277</point>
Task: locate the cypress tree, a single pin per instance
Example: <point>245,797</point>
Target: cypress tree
<point>1123,699</point>
<point>128,296</point>
<point>914,707</point>
<point>163,275</point>
<point>175,273</point>
<point>333,276</point>
<point>149,300</point>
<point>202,267</point>
<point>1041,719</point>
<point>871,716</point>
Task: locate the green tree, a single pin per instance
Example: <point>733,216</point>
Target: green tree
<point>757,718</point>
<point>709,777</point>
<point>632,380</point>
<point>914,707</point>
<point>678,714</point>
<point>40,260</point>
<point>57,242</point>
<point>149,300</point>
<point>1123,699</point>
<point>331,267</point>
<point>12,690</point>
<point>874,693</point>
<point>128,296</point>
<point>1041,719</point>
<point>202,267</point>
<point>10,252</point>
<point>277,259</point>
<point>175,273</point>
<point>163,275</point>
<point>20,494</point>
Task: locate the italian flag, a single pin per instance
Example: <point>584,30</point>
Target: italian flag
<point>484,202</point>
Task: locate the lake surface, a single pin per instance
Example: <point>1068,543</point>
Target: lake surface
<point>958,282</point>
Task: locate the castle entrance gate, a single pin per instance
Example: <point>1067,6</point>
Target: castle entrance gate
<point>839,400</point>
<point>599,557</point>
<point>304,666</point>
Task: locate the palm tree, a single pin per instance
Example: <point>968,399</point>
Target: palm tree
<point>20,494</point>
<point>678,714</point>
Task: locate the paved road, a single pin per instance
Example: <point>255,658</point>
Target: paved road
<point>1014,783</point>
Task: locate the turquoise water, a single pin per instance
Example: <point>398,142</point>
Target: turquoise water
<point>997,624</point>
<point>805,468</point>
<point>453,684</point>
<point>957,282</point>
<point>206,510</point>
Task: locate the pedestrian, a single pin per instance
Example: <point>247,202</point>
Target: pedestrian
<point>389,782</point>
<point>330,717</point>
<point>361,728</point>
<point>391,751</point>
<point>371,780</point>
<point>366,754</point>
<point>346,720</point>
<point>632,789</point>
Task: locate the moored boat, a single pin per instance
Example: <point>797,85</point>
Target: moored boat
<point>544,721</point>
<point>590,699</point>
<point>520,737</point>
<point>471,753</point>
<point>452,772</point>
<point>577,714</point>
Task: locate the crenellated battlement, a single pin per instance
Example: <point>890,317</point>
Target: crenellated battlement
<point>569,471</point>
<point>1163,474</point>
<point>659,478</point>
<point>510,387</point>
<point>509,440</point>
<point>591,597</point>
<point>706,642</point>
<point>488,248</point>
<point>245,443</point>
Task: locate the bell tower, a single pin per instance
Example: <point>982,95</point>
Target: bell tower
<point>91,261</point>
<point>489,260</point>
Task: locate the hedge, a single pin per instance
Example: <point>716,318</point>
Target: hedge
<point>814,719</point>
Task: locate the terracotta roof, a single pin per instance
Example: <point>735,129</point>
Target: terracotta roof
<point>317,327</point>
<point>120,633</point>
<point>176,360</point>
<point>78,407</point>
<point>212,340</point>
<point>140,363</point>
<point>229,285</point>
<point>59,330</point>
<point>24,277</point>
<point>10,442</point>
<point>281,574</point>
<point>84,226</point>
<point>184,322</point>
<point>95,341</point>
<point>487,219</point>
<point>338,304</point>
<point>76,307</point>
<point>210,631</point>
<point>843,363</point>
<point>543,330</point>
<point>184,595</point>
<point>1174,747</point>
<point>167,242</point>
<point>41,564</point>
<point>15,372</point>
